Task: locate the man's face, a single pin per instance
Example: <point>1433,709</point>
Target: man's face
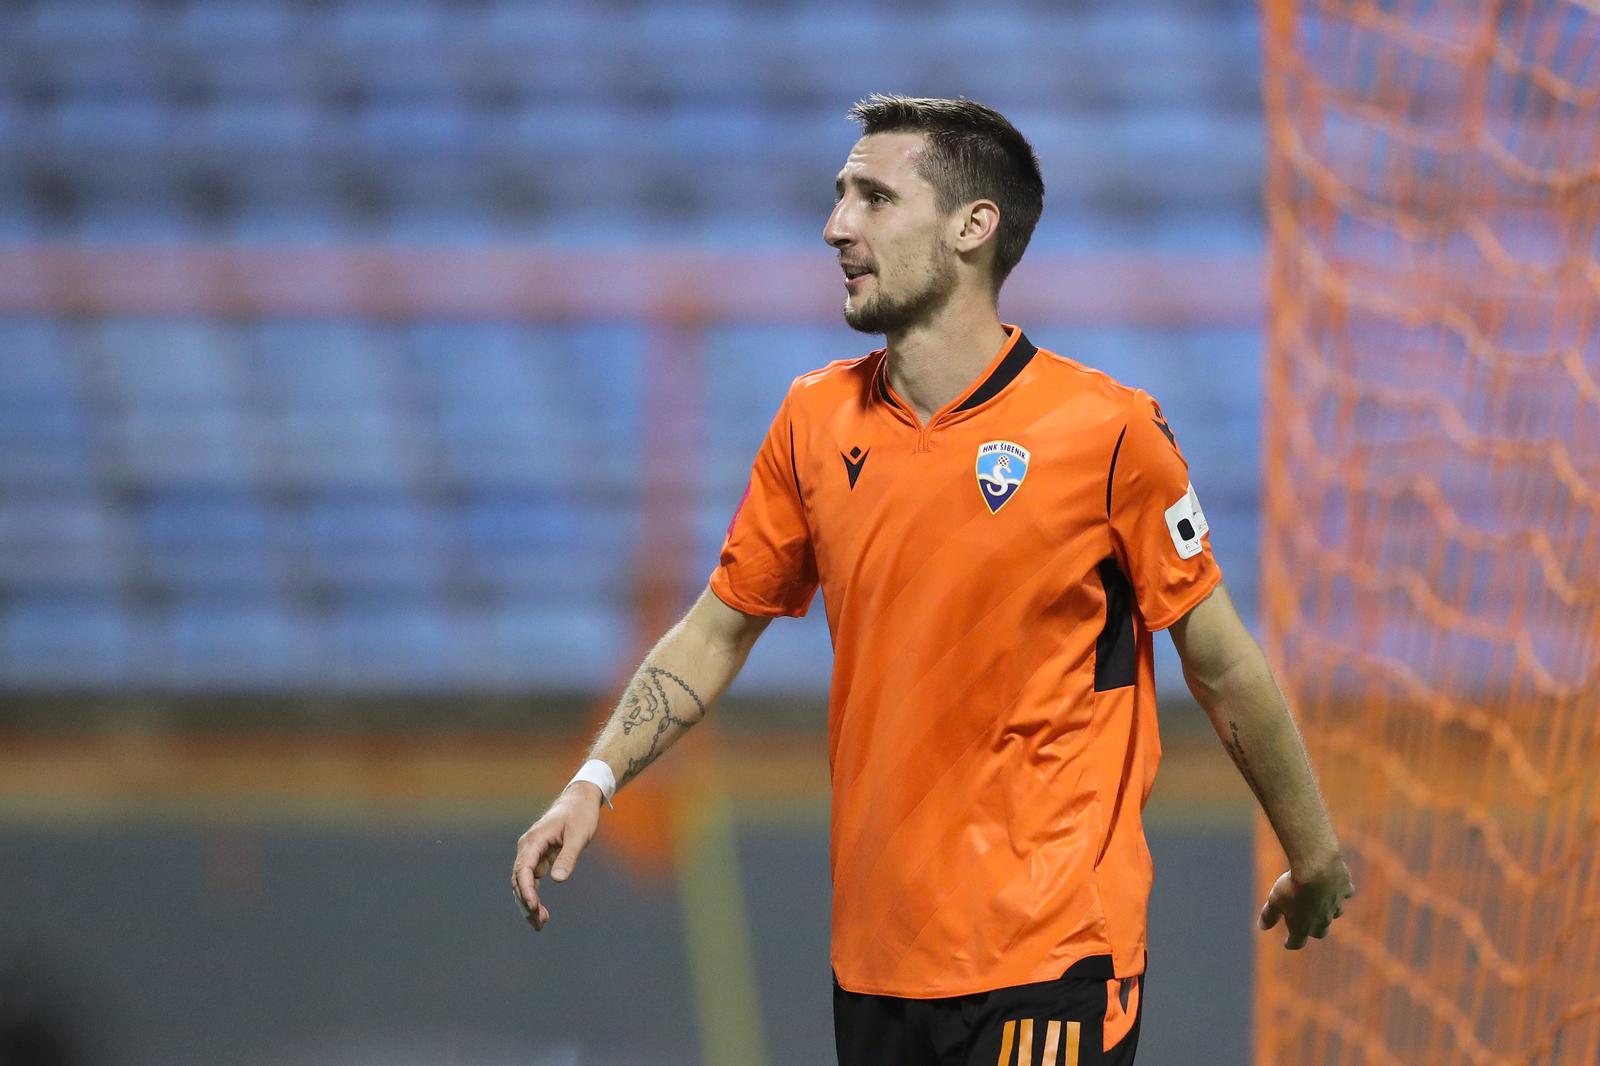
<point>890,236</point>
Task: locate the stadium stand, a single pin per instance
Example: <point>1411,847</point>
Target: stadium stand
<point>268,503</point>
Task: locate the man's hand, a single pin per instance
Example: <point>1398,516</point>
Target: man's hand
<point>556,840</point>
<point>1309,904</point>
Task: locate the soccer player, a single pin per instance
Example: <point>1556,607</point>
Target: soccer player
<point>998,531</point>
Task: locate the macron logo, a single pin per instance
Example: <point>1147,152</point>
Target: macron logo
<point>853,468</point>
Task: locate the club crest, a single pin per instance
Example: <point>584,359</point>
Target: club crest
<point>1001,467</point>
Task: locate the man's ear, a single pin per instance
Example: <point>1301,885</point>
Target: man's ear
<point>979,221</point>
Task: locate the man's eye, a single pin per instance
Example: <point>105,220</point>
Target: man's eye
<point>879,198</point>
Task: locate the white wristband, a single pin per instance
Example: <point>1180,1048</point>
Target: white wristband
<point>597,773</point>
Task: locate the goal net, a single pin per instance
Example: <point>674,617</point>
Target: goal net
<point>1431,558</point>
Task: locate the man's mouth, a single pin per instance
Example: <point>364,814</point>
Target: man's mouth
<point>853,274</point>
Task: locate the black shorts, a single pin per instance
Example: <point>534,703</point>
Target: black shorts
<point>1064,1022</point>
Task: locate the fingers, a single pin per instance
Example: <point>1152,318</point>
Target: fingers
<point>537,916</point>
<point>1307,910</point>
<point>524,889</point>
<point>567,861</point>
<point>525,885</point>
<point>550,848</point>
<point>1297,931</point>
<point>532,863</point>
<point>1349,893</point>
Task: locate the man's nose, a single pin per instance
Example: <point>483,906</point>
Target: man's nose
<point>835,232</point>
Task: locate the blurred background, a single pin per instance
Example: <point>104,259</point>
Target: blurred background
<point>376,382</point>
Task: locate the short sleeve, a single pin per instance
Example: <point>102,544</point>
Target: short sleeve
<point>767,565</point>
<point>1158,530</point>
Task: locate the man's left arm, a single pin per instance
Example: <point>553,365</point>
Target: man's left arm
<point>1229,676</point>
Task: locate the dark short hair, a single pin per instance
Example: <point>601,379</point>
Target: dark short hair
<point>973,154</point>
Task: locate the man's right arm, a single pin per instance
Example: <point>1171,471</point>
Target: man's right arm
<point>684,674</point>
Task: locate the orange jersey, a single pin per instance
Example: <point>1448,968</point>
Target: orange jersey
<point>991,580</point>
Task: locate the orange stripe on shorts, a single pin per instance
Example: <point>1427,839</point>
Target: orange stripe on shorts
<point>1052,1041</point>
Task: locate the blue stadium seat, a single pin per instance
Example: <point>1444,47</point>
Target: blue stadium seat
<point>415,132</point>
<point>86,68</point>
<point>557,26</point>
<point>315,364</point>
<point>388,643</point>
<point>535,407</point>
<point>591,132</point>
<point>322,448</point>
<point>45,444</point>
<point>58,542</point>
<point>570,645</point>
<point>504,447</point>
<point>93,124</point>
<point>68,642</point>
<point>371,26</point>
<point>235,28</point>
<point>11,126</point>
<point>497,421</point>
<point>271,129</point>
<point>166,364</point>
<point>115,219</point>
<point>464,359</point>
<point>543,545</point>
<point>285,218</point>
<point>18,224</point>
<point>110,25</point>
<point>177,448</point>
<point>219,542</point>
<point>769,230</point>
<point>736,129</point>
<point>385,542</point>
<point>34,365</point>
<point>235,644</point>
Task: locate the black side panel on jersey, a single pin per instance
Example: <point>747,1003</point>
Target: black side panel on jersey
<point>1116,658</point>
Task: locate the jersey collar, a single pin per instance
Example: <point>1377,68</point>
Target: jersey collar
<point>1014,356</point>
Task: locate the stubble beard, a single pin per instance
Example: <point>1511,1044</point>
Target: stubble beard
<point>882,314</point>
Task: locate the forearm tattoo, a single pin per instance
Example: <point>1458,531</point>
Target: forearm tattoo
<point>647,705</point>
<point>1236,749</point>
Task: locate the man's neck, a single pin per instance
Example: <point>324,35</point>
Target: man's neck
<point>936,361</point>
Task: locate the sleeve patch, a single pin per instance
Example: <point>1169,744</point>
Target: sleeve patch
<point>1187,524</point>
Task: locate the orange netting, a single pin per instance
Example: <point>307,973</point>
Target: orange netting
<point>1432,547</point>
